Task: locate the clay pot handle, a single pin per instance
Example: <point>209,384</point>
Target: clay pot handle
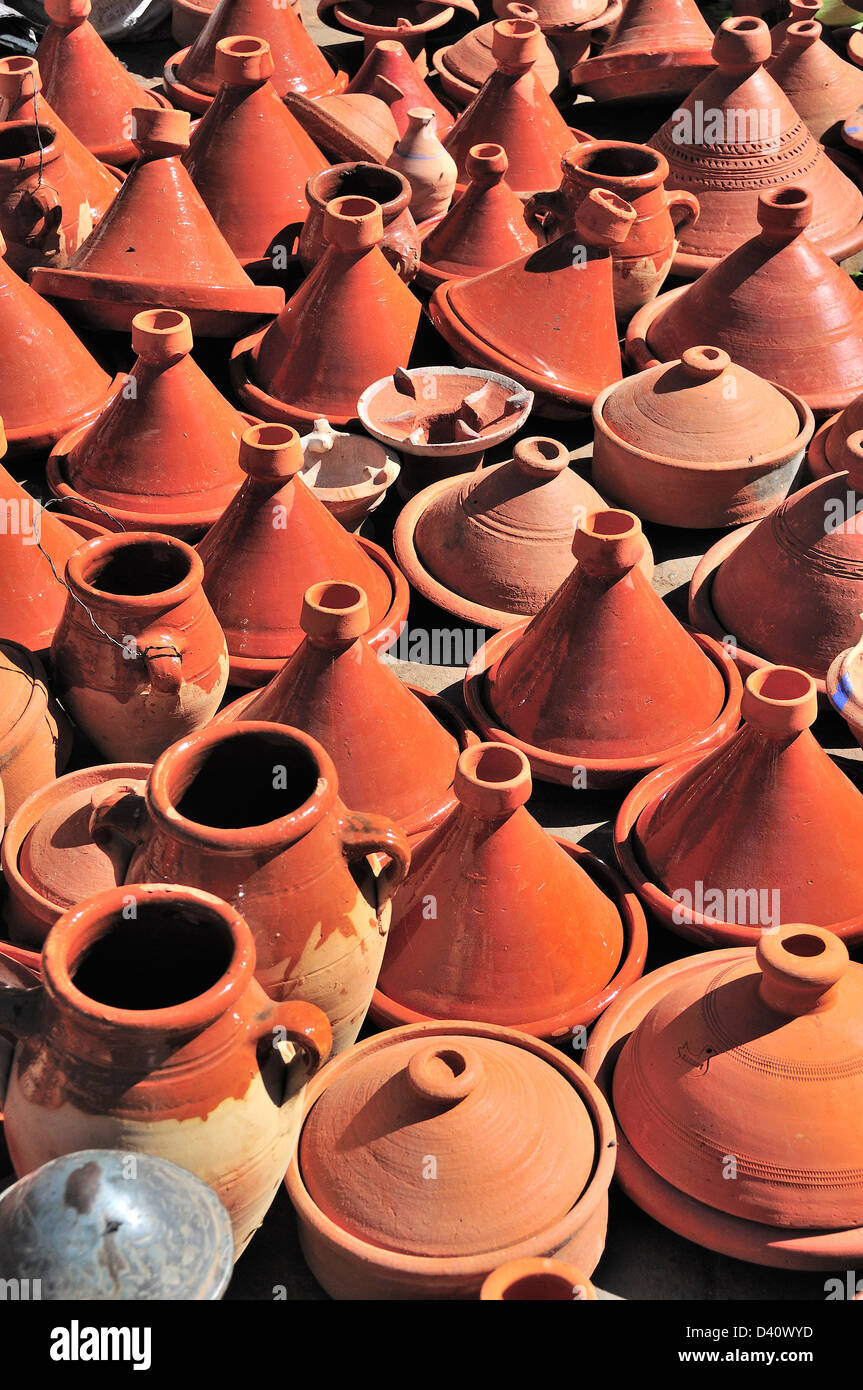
<point>304,1026</point>
<point>683,208</point>
<point>545,213</point>
<point>369,834</point>
<point>163,658</point>
<point>119,820</point>
<point>49,213</point>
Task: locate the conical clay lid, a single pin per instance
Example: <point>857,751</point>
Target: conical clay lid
<point>471,58</point>
<point>299,64</point>
<point>657,47</point>
<point>392,756</point>
<point>750,1070</point>
<point>750,816</point>
<point>605,670</point>
<point>483,229</point>
<point>389,72</point>
<point>659,27</point>
<point>470,957</point>
<point>702,409</point>
<point>820,85</point>
<point>737,134</point>
<point>512,1144</point>
<point>797,10</point>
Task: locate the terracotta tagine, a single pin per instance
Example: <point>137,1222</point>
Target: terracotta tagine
<point>572,25</point>
<point>253,809</point>
<point>797,10</point>
<point>22,99</point>
<point>87,86</point>
<point>659,48</point>
<point>828,447</point>
<point>472,1108</point>
<point>732,1075</point>
<point>720,847</point>
<point>390,189</point>
<point>777,305</point>
<point>537,1281</point>
<point>737,135</point>
<point>347,472</point>
<point>820,85</point>
<point>845,687</point>
<point>195,1050</point>
<point>675,443</point>
<point>35,737</point>
<point>637,174</point>
<point>389,72</point>
<point>565,291</point>
<point>464,66</point>
<point>428,168</point>
<point>170,1236</point>
<point>138,657</point>
<point>604,683</point>
<point>485,228</point>
<point>163,454</point>
<point>51,862</point>
<point>56,385</point>
<point>137,258</point>
<point>810,547</point>
<point>257,203</point>
<point>337,690</point>
<point>492,546</point>
<point>44,214</point>
<point>297,369</point>
<point>457,947</point>
<point>190,75</point>
<point>438,416</point>
<point>347,126</point>
<point>274,540</point>
<point>513,109</point>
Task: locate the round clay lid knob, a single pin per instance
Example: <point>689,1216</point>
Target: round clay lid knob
<point>445,1075</point>
<point>804,9</point>
<point>19,77</point>
<point>243,61</point>
<point>270,453</point>
<point>779,701</point>
<point>609,542</point>
<point>334,614</point>
<point>803,33</point>
<point>161,336</point>
<point>486,164</point>
<point>68,14</point>
<point>800,965</point>
<point>492,780</point>
<point>705,363</point>
<point>516,44</point>
<point>540,458</point>
<point>159,131</point>
<point>742,44</point>
<point>604,219</point>
<point>783,213</point>
<point>352,223</point>
<point>851,458</point>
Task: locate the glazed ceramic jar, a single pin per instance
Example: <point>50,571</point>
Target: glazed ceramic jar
<point>432,1154</point>
<point>139,655</point>
<point>252,810</point>
<point>638,175</point>
<point>428,168</point>
<point>44,216</point>
<point>733,1075</point>
<point>149,1033</point>
<point>388,187</point>
<point>35,737</point>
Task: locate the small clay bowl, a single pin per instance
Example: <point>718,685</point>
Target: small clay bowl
<point>356,473</point>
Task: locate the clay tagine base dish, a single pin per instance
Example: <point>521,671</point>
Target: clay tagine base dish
<point>782,1248</point>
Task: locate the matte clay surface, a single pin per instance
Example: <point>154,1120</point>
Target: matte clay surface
<point>35,737</point>
<point>658,48</point>
<point>400,243</point>
<point>484,228</point>
<point>389,72</point>
<point>821,86</point>
<point>465,65</point>
<point>428,168</point>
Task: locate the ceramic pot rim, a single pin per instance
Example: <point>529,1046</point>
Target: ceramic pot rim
<point>44,435</point>
<point>104,548</point>
<point>82,926</point>
<point>455,87</point>
<point>665,909</point>
<point>23,165</point>
<point>751,463</point>
<point>618,66</point>
<point>819,464</point>
<point>167,781</point>
<point>634,184</point>
<point>602,772</point>
<point>458,449</point>
<point>689,266</point>
<point>703,615</point>
<point>354,25</point>
<point>269,408</point>
<point>462,1266</point>
<point>134,295</point>
<point>390,210</point>
<point>116,152</point>
<point>391,1014</point>
<point>607,15</point>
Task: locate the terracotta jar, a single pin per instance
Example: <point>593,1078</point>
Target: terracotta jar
<point>810,547</point>
<point>820,85</point>
<point>537,1281</point>
<point>658,48</point>
<point>777,305</point>
<point>428,168</point>
<point>733,1074</point>
<point>604,682</point>
<point>44,215</point>
<point>515,1144</point>
<point>337,690</point>
<point>724,846</point>
<point>390,73</point>
<point>457,947</point>
<point>163,454</point>
<point>258,203</point>
<point>158,245</point>
<point>845,687</point>
<point>35,737</point>
<point>191,1062</point>
<point>253,810</point>
<point>50,860</point>
<point>465,65</point>
<point>737,135</point>
<point>492,546</point>
<point>637,174</point>
<point>139,655</point>
<point>389,188</point>
<point>675,443</point>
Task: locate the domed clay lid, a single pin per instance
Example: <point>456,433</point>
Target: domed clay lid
<point>739,1085</point>
<point>511,1143</point>
<point>21,675</point>
<point>702,409</point>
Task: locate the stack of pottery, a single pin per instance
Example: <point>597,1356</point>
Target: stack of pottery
<point>463,67</point>
<point>390,74</point>
<point>400,243</point>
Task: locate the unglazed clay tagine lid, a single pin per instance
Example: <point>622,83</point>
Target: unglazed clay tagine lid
<point>675,442</point>
<point>492,546</point>
<point>465,65</point>
<point>827,450</point>
<point>521,1148</point>
<point>604,683</point>
<point>659,47</point>
<point>744,1065</point>
<point>722,847</point>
